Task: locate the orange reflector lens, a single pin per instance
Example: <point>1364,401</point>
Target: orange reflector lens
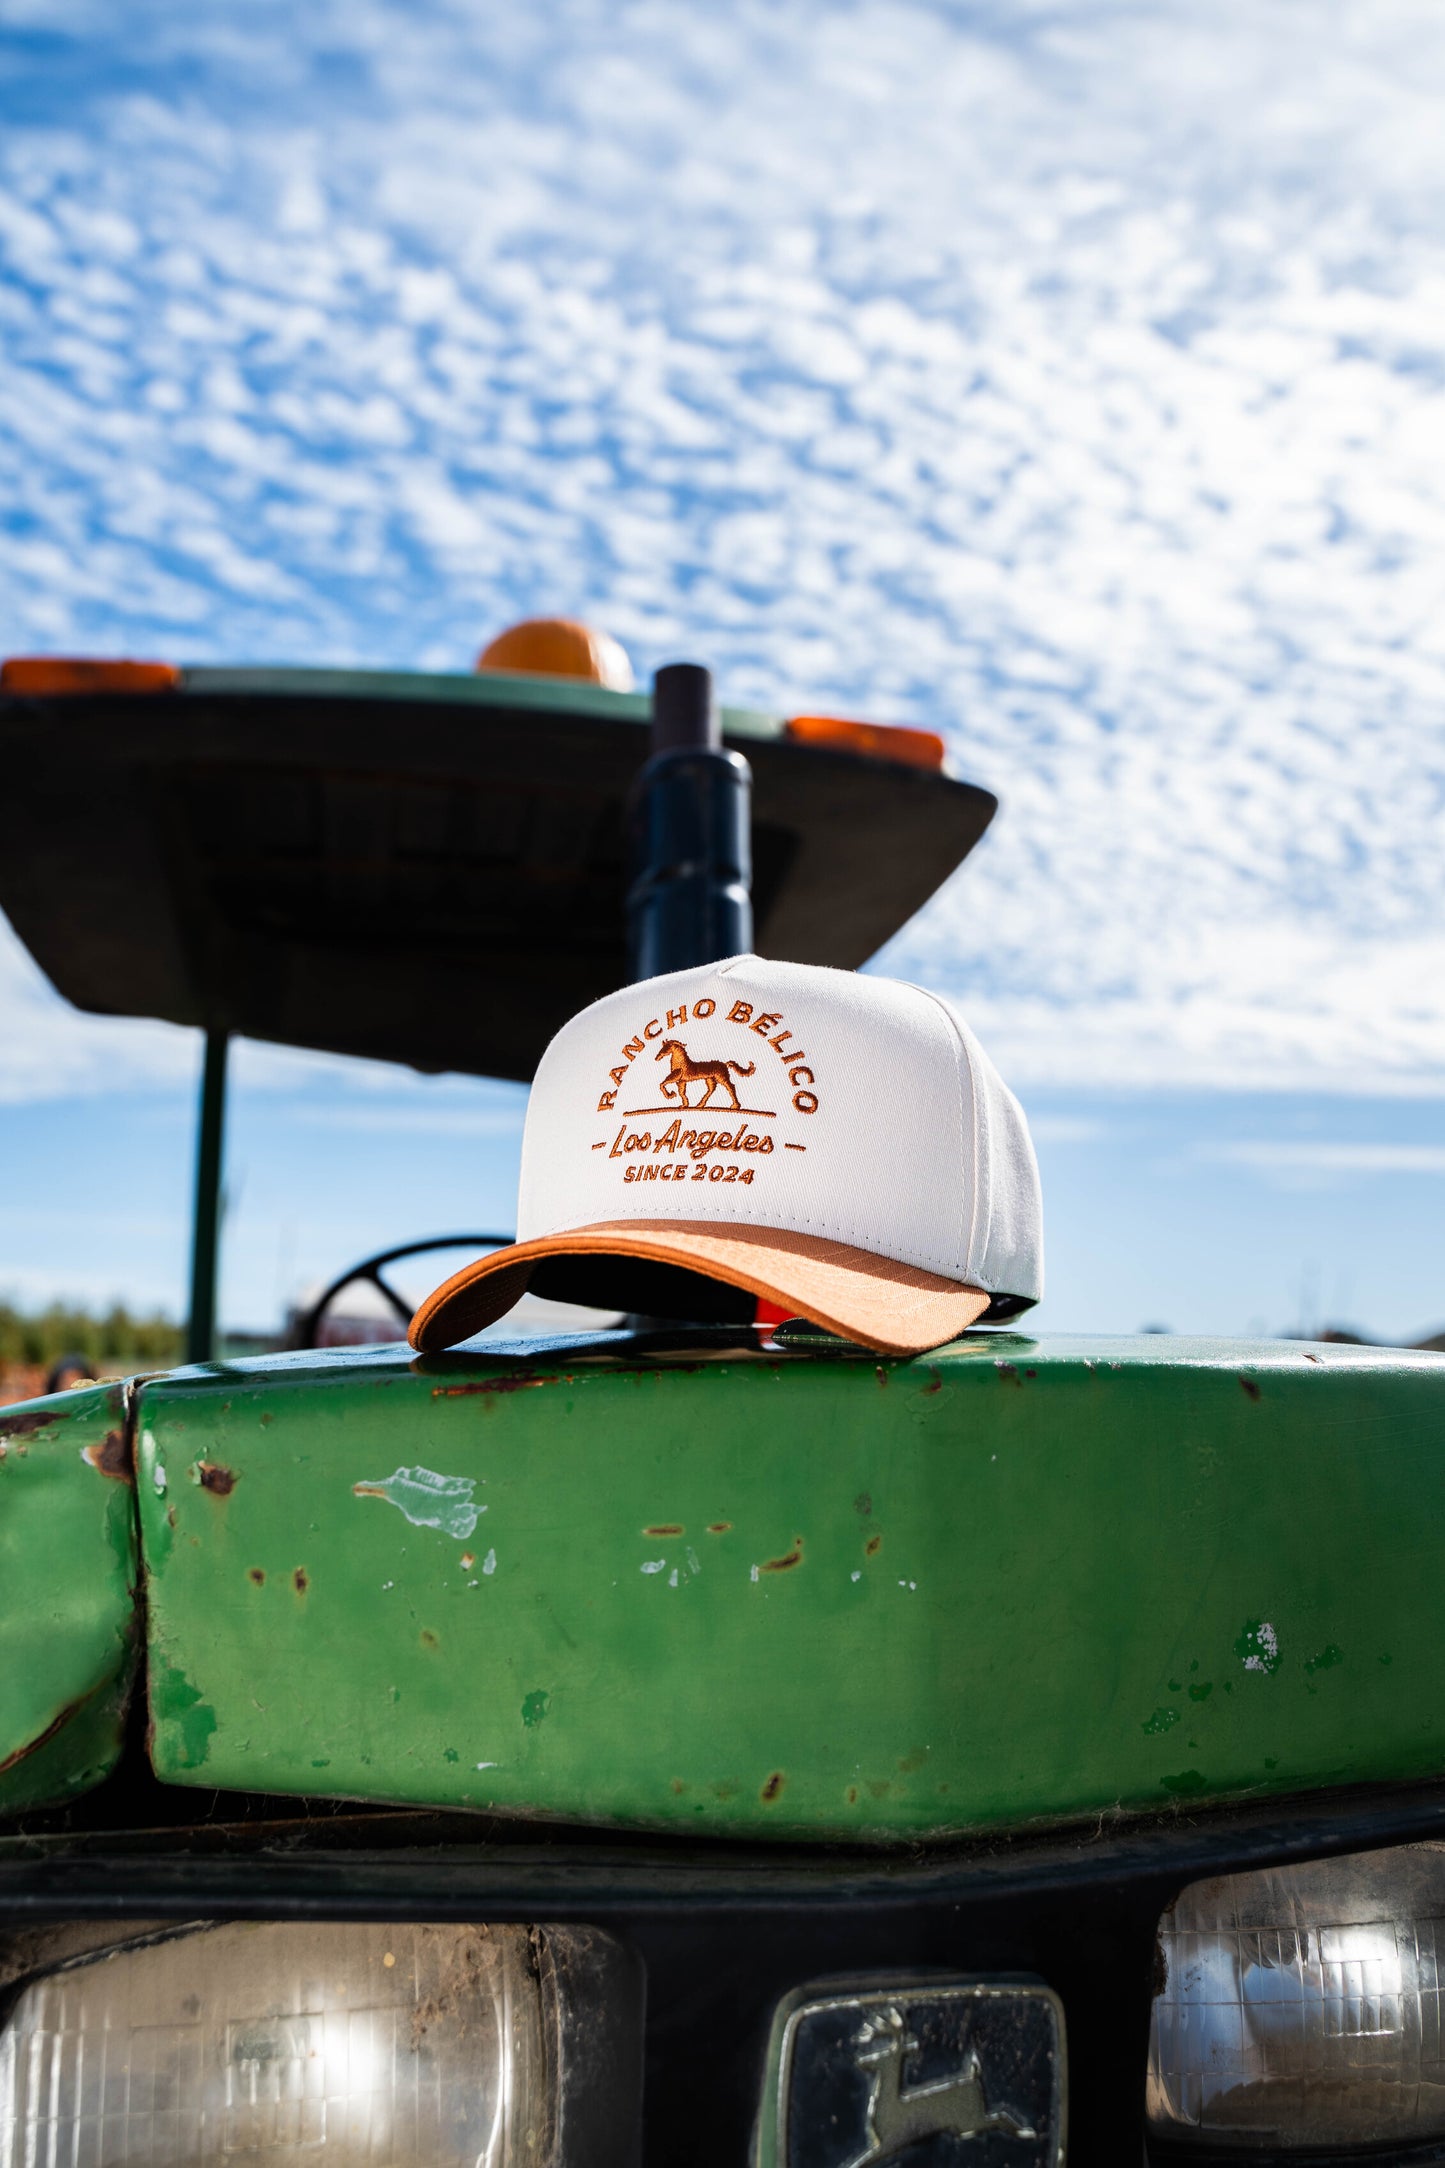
<point>873,741</point>
<point>30,674</point>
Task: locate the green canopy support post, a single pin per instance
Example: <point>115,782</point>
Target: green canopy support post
<point>206,1227</point>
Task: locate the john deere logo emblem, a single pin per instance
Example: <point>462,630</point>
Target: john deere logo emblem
<point>947,2073</point>
<point>706,1082</point>
<point>953,2107</point>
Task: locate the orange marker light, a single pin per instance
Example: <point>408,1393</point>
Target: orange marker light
<point>873,741</point>
<point>58,674</point>
<point>560,647</point>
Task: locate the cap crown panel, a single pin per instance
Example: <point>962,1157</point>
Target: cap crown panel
<point>761,1094</point>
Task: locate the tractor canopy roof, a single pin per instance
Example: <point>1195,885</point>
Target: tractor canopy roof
<point>421,869</point>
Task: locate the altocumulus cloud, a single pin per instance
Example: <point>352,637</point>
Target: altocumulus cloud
<point>1071,375</point>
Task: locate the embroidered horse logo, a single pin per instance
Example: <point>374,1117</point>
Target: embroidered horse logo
<point>684,1071</point>
<point>955,2107</point>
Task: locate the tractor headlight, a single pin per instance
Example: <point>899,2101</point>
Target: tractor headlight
<point>1300,2007</point>
<point>423,2047</point>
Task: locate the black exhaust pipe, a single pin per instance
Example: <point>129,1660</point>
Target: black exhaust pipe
<point>689,821</point>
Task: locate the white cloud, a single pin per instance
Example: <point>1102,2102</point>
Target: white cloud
<point>1066,1129</point>
<point>1326,1162</point>
<point>413,1120</point>
<point>1073,376</point>
<point>50,1051</point>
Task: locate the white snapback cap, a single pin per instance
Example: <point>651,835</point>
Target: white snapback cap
<point>839,1145</point>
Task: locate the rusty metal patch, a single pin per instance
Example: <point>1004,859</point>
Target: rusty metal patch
<point>215,1478</point>
<point>113,1456</point>
<point>511,1384</point>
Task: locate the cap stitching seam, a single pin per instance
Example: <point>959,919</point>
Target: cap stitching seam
<point>980,1158</point>
<point>853,1237</point>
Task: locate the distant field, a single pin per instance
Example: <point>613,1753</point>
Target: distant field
<point>113,1344</point>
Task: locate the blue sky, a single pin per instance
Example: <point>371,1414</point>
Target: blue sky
<point>1071,377</point>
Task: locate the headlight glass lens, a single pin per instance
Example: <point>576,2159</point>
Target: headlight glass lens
<point>412,2046</point>
<point>1300,2007</point>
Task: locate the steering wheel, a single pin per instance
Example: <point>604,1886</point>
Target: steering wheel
<point>308,1325</point>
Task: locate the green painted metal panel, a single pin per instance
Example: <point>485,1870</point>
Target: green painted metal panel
<point>68,1569</point>
<point>801,1592</point>
<point>492,688</point>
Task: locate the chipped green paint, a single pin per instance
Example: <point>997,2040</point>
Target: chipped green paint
<point>429,1500</point>
<point>1030,1581</point>
<point>68,1567</point>
<point>1188,1784</point>
<point>534,1708</point>
<point>175,1701</point>
<point>1257,1647</point>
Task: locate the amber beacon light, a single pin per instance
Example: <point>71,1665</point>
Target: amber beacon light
<point>560,647</point>
<point>871,741</point>
<point>54,675</point>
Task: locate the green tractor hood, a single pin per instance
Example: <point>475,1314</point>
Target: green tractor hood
<point>777,1587</point>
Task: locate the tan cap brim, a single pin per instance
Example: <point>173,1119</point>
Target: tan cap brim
<point>894,1309</point>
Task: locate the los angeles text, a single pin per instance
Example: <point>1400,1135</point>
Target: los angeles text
<point>696,1143</point>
